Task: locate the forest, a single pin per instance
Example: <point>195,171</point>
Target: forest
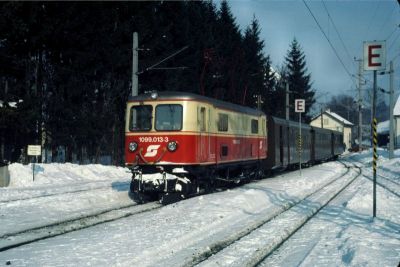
<point>65,69</point>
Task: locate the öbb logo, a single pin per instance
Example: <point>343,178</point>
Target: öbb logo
<point>152,150</point>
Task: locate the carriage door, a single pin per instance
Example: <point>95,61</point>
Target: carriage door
<point>280,145</point>
<point>204,135</point>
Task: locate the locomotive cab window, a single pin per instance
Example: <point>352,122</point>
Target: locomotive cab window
<point>140,118</point>
<point>254,126</point>
<point>169,117</point>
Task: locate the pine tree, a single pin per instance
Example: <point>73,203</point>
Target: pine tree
<point>255,63</point>
<point>74,76</point>
<point>299,79</point>
<point>270,95</point>
<point>231,56</point>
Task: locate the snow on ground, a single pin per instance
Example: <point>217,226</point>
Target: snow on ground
<point>62,174</point>
<point>57,178</point>
<point>343,234</point>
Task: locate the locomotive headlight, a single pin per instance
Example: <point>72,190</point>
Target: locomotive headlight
<point>154,95</point>
<point>133,146</point>
<point>172,146</point>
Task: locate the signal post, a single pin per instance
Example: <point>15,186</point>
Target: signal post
<point>299,107</point>
<point>374,59</point>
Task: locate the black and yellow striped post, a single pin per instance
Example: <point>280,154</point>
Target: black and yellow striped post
<point>375,158</point>
<point>375,144</point>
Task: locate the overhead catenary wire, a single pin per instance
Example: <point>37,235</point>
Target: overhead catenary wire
<point>390,35</point>
<point>393,42</point>
<point>330,43</point>
<point>337,32</point>
<point>386,21</point>
<point>372,19</point>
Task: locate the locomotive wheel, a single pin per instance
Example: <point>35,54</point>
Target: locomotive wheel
<point>137,197</point>
<point>169,198</point>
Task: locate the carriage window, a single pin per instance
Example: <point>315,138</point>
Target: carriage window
<point>222,122</point>
<point>140,118</point>
<point>169,117</point>
<point>254,126</point>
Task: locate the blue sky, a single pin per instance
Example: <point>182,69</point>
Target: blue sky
<point>356,22</point>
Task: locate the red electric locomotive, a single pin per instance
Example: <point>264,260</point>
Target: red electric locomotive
<point>177,143</point>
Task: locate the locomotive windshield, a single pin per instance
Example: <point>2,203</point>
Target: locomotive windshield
<point>140,118</point>
<point>169,117</point>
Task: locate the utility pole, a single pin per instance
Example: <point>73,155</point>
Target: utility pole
<point>322,118</point>
<point>391,127</point>
<point>287,100</point>
<point>259,102</point>
<point>135,80</point>
<point>359,105</point>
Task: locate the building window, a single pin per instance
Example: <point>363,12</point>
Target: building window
<point>326,121</point>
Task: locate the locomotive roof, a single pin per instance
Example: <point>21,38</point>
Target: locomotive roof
<point>172,95</point>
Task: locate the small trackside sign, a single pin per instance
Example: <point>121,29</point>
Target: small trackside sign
<point>374,55</point>
<point>34,150</point>
<point>299,105</point>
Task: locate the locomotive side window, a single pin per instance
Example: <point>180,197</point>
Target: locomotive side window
<point>169,117</point>
<point>140,118</point>
<point>202,119</point>
<point>222,122</point>
<point>254,126</point>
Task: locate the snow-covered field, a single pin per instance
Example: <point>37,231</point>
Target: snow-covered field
<point>228,228</point>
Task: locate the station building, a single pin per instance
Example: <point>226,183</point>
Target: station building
<point>331,120</point>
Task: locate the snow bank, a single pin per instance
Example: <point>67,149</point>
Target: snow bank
<point>56,173</point>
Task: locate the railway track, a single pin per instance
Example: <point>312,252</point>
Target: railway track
<point>201,247</point>
<point>254,245</point>
<point>202,255</point>
<point>47,229</point>
<point>16,239</point>
<point>385,182</point>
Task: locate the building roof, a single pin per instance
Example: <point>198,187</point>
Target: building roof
<point>383,127</point>
<point>338,118</point>
<point>10,104</point>
<point>396,110</point>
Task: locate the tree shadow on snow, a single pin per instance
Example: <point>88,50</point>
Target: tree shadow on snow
<point>120,186</point>
<point>340,215</point>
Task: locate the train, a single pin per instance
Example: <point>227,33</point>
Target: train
<point>178,144</point>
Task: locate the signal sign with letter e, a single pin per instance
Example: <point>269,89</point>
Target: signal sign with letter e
<point>299,105</point>
<point>374,55</point>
